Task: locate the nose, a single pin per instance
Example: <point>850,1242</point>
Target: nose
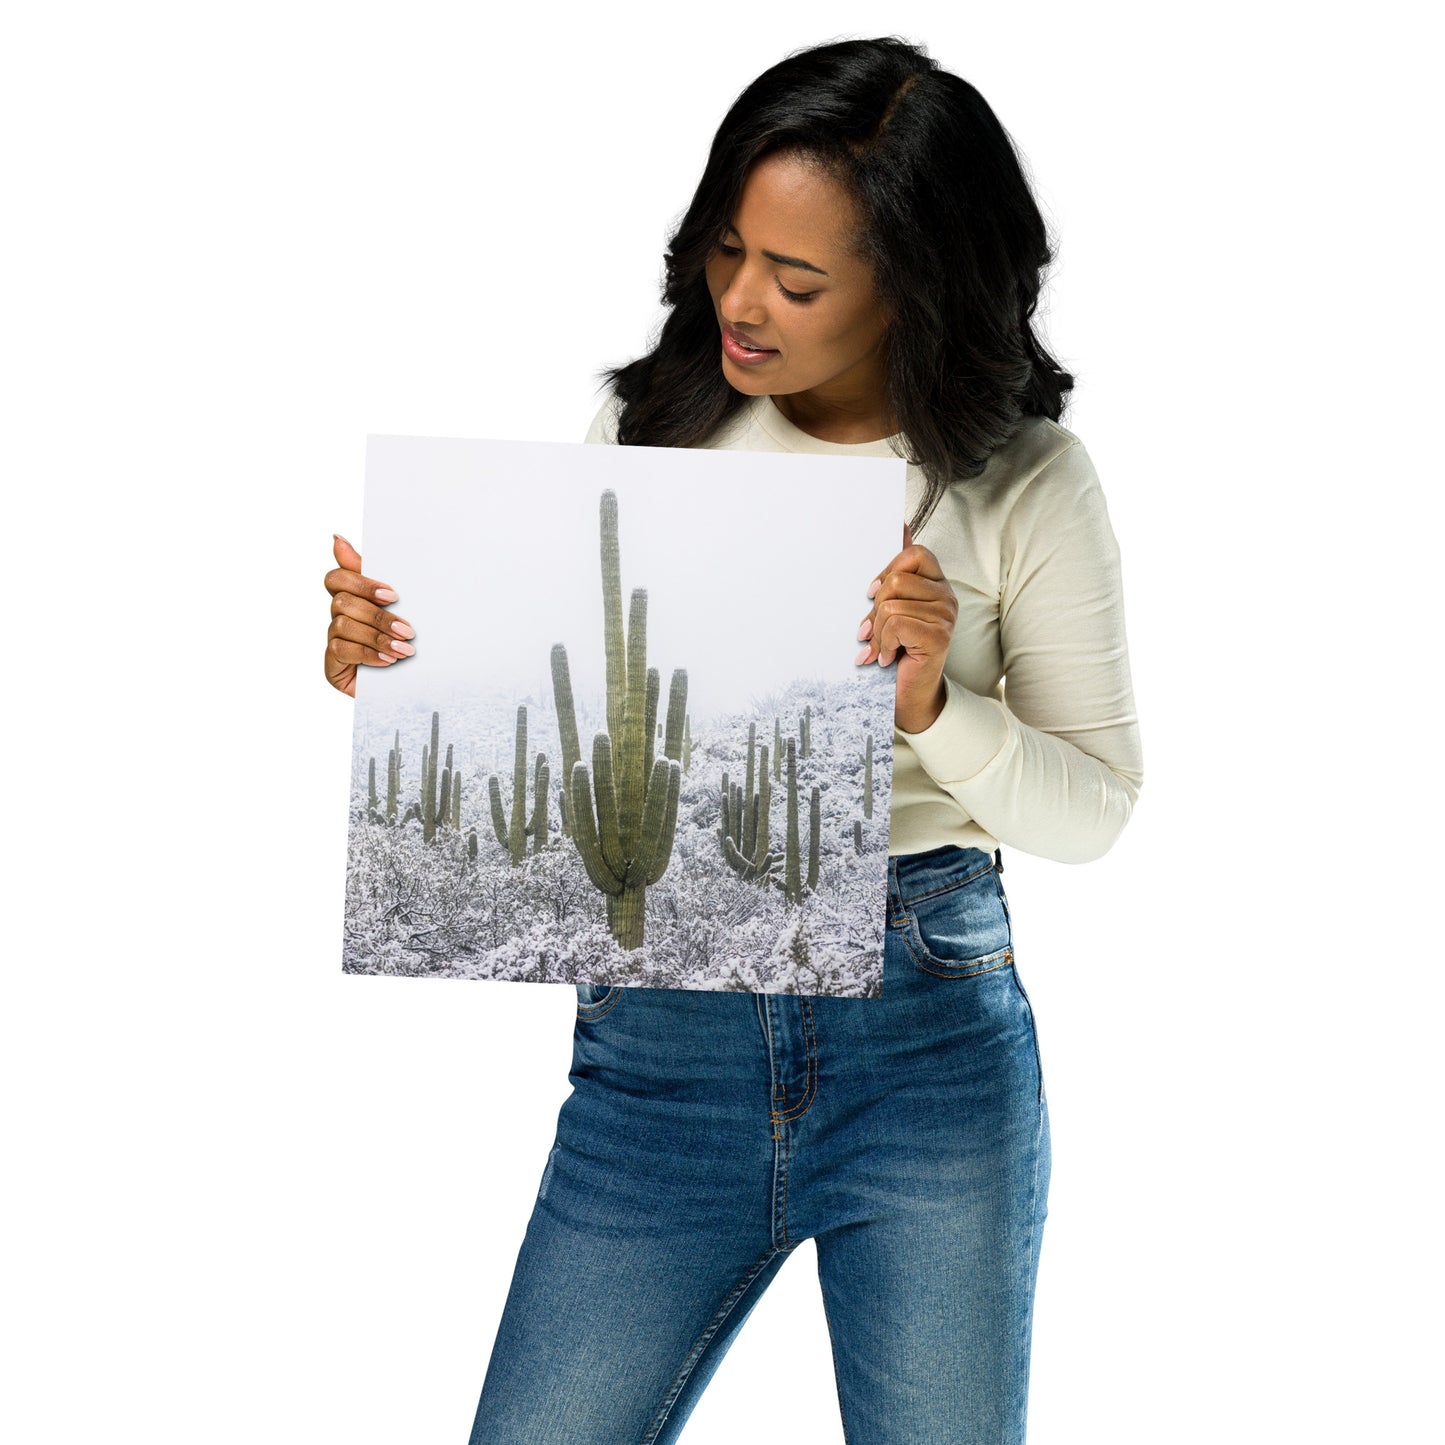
<point>741,302</point>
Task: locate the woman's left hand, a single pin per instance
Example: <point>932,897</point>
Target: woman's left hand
<point>914,610</point>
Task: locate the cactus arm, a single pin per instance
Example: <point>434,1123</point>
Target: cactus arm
<point>676,735</point>
<point>584,831</point>
<point>667,785</point>
<point>605,789</point>
<point>612,615</point>
<point>566,709</point>
<point>499,819</point>
<point>631,780</point>
<point>654,684</point>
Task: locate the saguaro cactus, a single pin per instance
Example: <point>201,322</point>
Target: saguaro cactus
<point>623,811</point>
<point>513,836</point>
<point>393,778</point>
<point>868,778</point>
<point>793,866</point>
<point>745,822</point>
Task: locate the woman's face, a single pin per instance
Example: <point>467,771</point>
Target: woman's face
<point>785,280</point>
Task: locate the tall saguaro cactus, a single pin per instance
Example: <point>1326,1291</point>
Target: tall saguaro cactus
<point>868,778</point>
<point>429,781</point>
<point>793,865</point>
<point>513,836</point>
<point>623,811</point>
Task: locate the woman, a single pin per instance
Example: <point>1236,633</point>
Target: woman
<point>856,275</point>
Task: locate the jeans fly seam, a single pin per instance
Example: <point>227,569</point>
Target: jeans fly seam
<point>810,1087</point>
<point>687,1366</point>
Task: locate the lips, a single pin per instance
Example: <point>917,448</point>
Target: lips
<point>742,350</point>
<point>743,339</point>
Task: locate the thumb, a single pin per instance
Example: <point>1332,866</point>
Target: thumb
<point>346,555</point>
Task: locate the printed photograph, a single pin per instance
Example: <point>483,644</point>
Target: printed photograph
<point>633,746</point>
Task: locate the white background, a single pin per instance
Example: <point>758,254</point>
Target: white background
<point>251,1199</point>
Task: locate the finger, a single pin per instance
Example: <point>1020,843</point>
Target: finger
<point>344,650</point>
<point>912,626</point>
<point>910,584</point>
<point>343,579</point>
<point>346,555</point>
<point>379,642</point>
<point>386,623</point>
<point>341,675</point>
<point>913,558</point>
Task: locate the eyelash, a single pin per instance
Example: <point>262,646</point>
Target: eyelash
<point>799,296</point>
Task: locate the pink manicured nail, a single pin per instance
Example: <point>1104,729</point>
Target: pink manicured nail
<point>866,628</point>
<point>877,583</point>
<point>404,648</point>
<point>402,630</point>
<point>862,655</point>
<point>385,594</point>
<point>389,657</point>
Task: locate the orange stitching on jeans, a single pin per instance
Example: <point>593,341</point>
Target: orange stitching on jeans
<point>939,970</point>
<point>599,1007</point>
<point>810,1088</point>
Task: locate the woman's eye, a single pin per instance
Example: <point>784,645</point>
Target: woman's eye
<point>729,250</point>
<point>796,295</point>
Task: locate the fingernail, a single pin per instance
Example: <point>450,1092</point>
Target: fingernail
<point>389,657</point>
<point>862,655</point>
<point>401,629</point>
<point>385,594</point>
<point>877,583</point>
<point>866,628</point>
<point>404,648</point>
<point>340,538</point>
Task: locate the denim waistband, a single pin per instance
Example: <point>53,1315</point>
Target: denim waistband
<point>915,875</point>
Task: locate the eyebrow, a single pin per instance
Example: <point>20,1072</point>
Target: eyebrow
<point>794,261</point>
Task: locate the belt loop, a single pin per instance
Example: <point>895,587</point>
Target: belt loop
<point>998,859</point>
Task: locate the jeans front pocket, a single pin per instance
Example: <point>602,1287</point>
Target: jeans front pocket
<point>961,928</point>
<point>596,999</point>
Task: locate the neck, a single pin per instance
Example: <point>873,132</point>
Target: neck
<point>838,419</point>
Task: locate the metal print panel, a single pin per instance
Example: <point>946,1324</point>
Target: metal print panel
<point>633,746</point>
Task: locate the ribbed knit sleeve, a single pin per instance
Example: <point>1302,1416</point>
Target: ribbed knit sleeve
<point>1056,766</point>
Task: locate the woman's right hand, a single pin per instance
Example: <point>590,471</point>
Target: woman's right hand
<point>362,630</point>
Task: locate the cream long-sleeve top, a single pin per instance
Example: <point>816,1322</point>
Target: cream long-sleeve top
<point>1037,746</point>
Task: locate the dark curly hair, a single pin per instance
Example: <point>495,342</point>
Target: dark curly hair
<point>950,228</point>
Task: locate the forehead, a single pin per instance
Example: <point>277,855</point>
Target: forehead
<point>790,205</point>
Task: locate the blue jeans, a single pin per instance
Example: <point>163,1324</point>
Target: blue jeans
<point>707,1135</point>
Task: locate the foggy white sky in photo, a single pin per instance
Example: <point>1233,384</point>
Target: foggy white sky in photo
<point>756,564</point>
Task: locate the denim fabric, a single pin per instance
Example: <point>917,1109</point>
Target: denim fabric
<point>707,1135</point>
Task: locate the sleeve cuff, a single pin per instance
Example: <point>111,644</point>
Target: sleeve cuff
<point>963,739</point>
